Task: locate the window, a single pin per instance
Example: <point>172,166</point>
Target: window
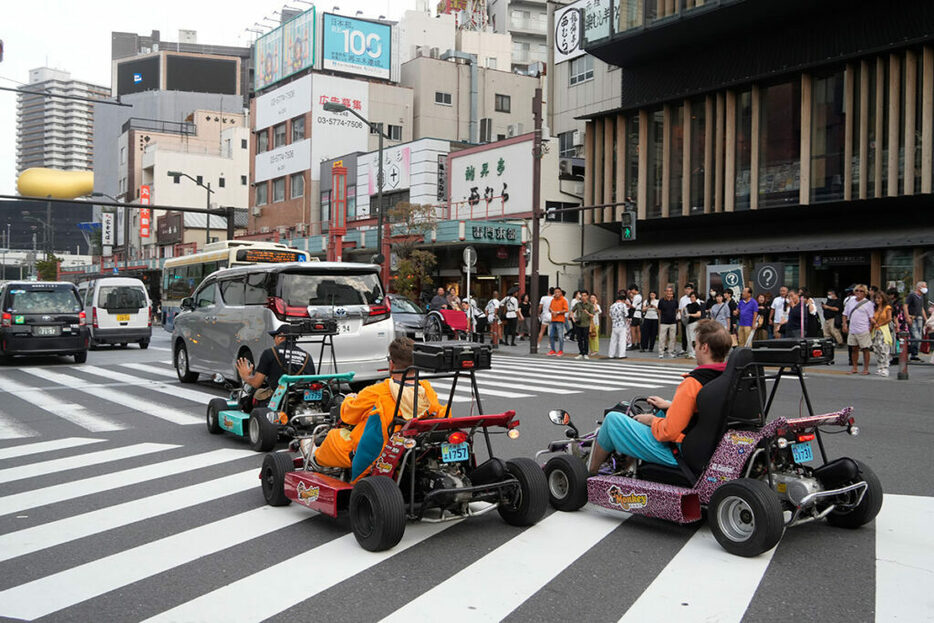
<point>232,291</point>
<point>199,179</point>
<point>394,132</point>
<point>566,147</point>
<point>262,196</point>
<point>278,135</point>
<point>243,180</point>
<point>297,182</point>
<point>632,158</point>
<point>298,129</point>
<point>221,182</point>
<point>243,143</point>
<point>486,129</point>
<point>827,129</point>
<point>442,98</point>
<point>255,292</point>
<point>502,103</point>
<point>655,155</point>
<point>491,62</point>
<point>278,190</point>
<point>698,155</point>
<point>743,150</point>
<point>205,297</point>
<point>581,69</point>
<point>123,155</point>
<point>262,141</point>
<point>675,159</point>
<point>779,144</point>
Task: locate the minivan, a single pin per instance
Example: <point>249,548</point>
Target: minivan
<point>42,318</point>
<point>232,310</point>
<point>119,310</point>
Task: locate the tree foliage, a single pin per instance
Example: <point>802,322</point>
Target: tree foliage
<point>413,273</point>
<point>48,268</point>
<point>409,223</point>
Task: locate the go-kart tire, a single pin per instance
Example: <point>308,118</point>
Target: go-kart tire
<point>533,493</point>
<point>185,375</point>
<point>81,356</point>
<point>377,513</point>
<point>567,482</point>
<point>867,509</point>
<point>745,516</point>
<point>214,408</point>
<point>275,466</point>
<point>262,433</point>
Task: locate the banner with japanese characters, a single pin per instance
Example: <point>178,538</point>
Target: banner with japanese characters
<point>569,31</point>
<point>336,134</point>
<point>491,180</point>
<point>144,213</point>
<point>356,46</point>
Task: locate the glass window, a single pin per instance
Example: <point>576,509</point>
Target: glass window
<point>698,154</point>
<point>43,300</point>
<point>330,289</point>
<point>255,291</point>
<point>205,296</point>
<point>113,298</point>
<point>232,291</point>
<point>221,182</point>
<point>243,143</point>
<point>502,103</point>
<point>278,190</point>
<point>262,196</point>
<point>743,149</point>
<point>262,141</point>
<point>827,128</point>
<point>632,158</point>
<point>897,269</point>
<point>298,129</point>
<point>566,147</point>
<point>655,155</point>
<point>779,144</point>
<point>675,162</point>
<point>278,135</point>
<point>394,132</point>
<point>871,126</point>
<point>325,209</point>
<point>351,203</point>
<point>442,98</point>
<point>297,183</point>
<point>402,305</point>
<point>581,69</point>
<point>630,14</point>
<point>243,180</point>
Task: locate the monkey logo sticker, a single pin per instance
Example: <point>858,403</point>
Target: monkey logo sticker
<point>307,494</point>
<point>627,501</point>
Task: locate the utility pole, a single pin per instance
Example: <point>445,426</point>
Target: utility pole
<point>536,215</point>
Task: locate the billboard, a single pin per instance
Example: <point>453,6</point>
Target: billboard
<point>356,46</point>
<point>336,134</point>
<point>288,49</point>
<point>138,75</point>
<point>267,59</point>
<point>201,75</point>
<point>145,195</point>
<point>569,32</point>
<point>599,19</point>
<point>284,103</point>
<point>490,178</point>
<point>283,160</point>
<point>107,229</point>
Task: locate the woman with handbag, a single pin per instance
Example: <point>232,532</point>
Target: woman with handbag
<point>595,325</point>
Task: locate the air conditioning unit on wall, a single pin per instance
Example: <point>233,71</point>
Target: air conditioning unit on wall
<point>513,129</point>
<point>257,211</point>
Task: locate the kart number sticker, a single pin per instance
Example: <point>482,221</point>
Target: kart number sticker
<point>312,395</point>
<point>453,452</point>
<point>801,452</point>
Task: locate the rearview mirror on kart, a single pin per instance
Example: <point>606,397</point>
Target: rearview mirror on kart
<point>559,417</point>
<point>219,378</point>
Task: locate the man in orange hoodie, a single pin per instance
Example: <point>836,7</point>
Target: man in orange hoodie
<point>648,437</point>
<point>377,402</point>
<point>559,311</point>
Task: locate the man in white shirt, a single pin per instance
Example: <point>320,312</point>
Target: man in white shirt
<point>777,313</point>
<point>512,318</point>
<point>683,302</point>
<point>544,312</point>
<point>619,316</point>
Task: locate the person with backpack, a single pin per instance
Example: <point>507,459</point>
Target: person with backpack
<point>511,315</point>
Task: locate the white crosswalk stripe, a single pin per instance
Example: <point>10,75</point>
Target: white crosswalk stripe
<point>45,446</point>
<point>192,395</point>
<point>12,429</point>
<point>151,369</point>
<point>74,413</point>
<point>904,565</point>
<point>81,460</point>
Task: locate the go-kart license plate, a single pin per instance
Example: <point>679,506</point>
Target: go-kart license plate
<point>46,330</point>
<point>453,452</point>
<point>801,452</point>
<point>123,317</point>
<point>312,394</point>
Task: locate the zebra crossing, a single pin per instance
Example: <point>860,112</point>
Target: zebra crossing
<point>254,563</point>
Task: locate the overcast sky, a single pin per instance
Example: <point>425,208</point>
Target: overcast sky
<point>74,35</point>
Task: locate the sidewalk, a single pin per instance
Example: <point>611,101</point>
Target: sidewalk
<point>923,370</point>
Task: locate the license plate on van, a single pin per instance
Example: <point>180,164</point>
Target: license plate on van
<point>46,331</point>
<point>123,317</point>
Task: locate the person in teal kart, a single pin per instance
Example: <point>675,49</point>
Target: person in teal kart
<point>283,357</point>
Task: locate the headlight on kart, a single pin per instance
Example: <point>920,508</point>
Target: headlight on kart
<point>513,433</point>
<point>409,443</point>
<point>853,430</point>
<point>781,442</point>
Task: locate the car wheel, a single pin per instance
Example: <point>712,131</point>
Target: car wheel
<point>275,466</point>
<point>144,344</point>
<point>123,344</point>
<point>531,502</point>
<point>377,513</point>
<point>81,356</point>
<point>263,433</point>
<point>745,517</point>
<point>868,507</point>
<point>433,330</point>
<point>93,345</point>
<point>567,482</point>
<point>185,375</point>
<point>214,408</point>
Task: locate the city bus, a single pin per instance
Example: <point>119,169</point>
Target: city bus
<point>181,275</point>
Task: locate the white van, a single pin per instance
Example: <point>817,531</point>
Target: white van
<point>118,310</point>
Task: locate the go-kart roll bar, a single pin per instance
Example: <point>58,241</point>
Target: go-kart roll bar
<point>798,372</point>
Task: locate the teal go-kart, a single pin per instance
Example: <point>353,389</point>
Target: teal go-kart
<point>298,404</point>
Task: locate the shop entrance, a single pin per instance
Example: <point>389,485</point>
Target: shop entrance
<point>839,271</point>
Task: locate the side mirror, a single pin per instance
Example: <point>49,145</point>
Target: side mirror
<point>187,304</point>
<point>559,417</point>
<point>219,378</point>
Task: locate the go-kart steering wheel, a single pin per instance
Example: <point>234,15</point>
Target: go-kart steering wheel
<point>638,406</point>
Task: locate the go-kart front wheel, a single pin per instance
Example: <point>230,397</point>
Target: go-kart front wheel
<point>868,507</point>
<point>263,433</point>
<point>531,502</point>
<point>214,408</point>
<point>275,466</point>
<point>377,513</point>
<point>567,482</point>
<point>745,516</point>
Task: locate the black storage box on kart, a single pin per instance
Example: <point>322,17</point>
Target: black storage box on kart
<point>451,357</point>
<point>794,351</point>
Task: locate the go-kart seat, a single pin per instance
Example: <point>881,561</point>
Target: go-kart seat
<point>733,398</point>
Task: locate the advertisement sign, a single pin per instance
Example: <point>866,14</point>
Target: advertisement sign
<point>488,180</point>
<point>283,160</point>
<point>336,134</point>
<point>298,40</point>
<point>356,46</point>
<point>397,163</point>
<point>267,59</point>
<point>569,32</point>
<point>107,229</point>
<point>284,103</point>
<point>599,16</point>
<point>726,277</point>
<point>144,213</point>
<point>769,277</point>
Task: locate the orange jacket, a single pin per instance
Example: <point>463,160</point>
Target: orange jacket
<point>679,414</point>
<point>559,307</point>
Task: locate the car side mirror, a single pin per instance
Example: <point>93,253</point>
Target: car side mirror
<point>219,378</point>
<point>187,304</point>
<point>559,417</point>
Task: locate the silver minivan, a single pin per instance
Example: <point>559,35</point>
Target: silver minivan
<point>232,310</point>
<point>118,310</point>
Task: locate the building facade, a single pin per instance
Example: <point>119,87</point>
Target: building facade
<point>527,22</point>
<point>53,132</point>
<point>747,135</point>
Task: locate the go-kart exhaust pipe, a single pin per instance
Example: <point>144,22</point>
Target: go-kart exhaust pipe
<point>492,470</point>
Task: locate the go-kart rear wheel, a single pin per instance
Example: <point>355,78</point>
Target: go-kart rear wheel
<point>214,408</point>
<point>275,466</point>
<point>377,513</point>
<point>263,433</point>
<point>867,509</point>
<point>745,516</point>
<point>567,482</point>
<point>532,499</point>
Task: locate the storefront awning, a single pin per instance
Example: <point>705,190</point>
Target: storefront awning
<point>730,246</point>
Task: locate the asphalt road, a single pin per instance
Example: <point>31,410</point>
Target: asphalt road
<point>117,505</point>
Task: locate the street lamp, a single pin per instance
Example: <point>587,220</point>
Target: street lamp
<point>46,229</point>
<point>178,174</point>
<point>126,232</point>
<point>377,127</point>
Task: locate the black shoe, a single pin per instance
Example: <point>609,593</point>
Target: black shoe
<point>915,358</point>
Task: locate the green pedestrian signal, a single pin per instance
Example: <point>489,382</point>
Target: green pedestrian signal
<point>627,224</point>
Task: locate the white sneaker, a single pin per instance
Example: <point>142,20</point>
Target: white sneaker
<point>661,355</point>
<point>579,357</point>
<point>586,356</point>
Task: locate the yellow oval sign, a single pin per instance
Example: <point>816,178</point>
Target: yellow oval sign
<point>38,182</point>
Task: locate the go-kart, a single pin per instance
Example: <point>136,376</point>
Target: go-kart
<point>752,478</point>
<point>428,470</point>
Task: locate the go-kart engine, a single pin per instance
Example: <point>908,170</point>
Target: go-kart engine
<point>794,487</point>
<point>444,476</point>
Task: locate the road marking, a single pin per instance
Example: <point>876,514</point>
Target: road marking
<point>602,363</point>
<point>605,384</point>
<point>151,347</point>
<point>237,602</point>
<point>74,413</point>
<point>145,367</point>
<point>484,381</point>
<point>11,429</point>
<point>533,560</point>
<point>598,371</point>
<point>443,389</point>
<point>106,482</point>
<point>559,373</point>
<point>45,446</point>
<point>54,533</point>
<point>58,591</point>
<point>701,583</point>
<point>121,398</point>
<point>32,470</point>
<point>193,395</point>
<point>904,567</point>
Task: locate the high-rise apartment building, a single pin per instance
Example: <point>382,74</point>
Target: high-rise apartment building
<point>527,22</point>
<point>54,132</point>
